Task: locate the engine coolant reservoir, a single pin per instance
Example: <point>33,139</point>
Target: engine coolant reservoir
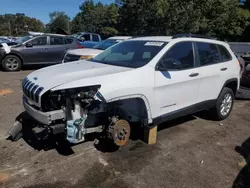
<point>75,130</point>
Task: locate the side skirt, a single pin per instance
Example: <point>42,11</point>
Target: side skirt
<point>184,111</point>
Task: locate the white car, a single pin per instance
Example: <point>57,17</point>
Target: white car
<point>88,53</point>
<point>145,81</point>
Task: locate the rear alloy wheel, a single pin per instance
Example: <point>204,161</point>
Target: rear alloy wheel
<point>11,63</point>
<point>224,104</point>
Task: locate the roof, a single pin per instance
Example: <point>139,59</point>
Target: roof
<point>155,38</point>
<point>49,34</point>
<point>170,38</point>
<point>120,37</point>
<point>85,33</point>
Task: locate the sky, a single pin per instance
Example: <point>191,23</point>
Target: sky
<point>40,9</point>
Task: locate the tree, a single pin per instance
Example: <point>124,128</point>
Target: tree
<point>18,24</point>
<point>58,20</point>
<point>97,18</point>
<point>222,18</point>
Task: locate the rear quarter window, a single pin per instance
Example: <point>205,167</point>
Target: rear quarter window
<point>224,54</point>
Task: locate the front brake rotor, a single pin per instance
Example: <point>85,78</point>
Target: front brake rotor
<point>120,132</point>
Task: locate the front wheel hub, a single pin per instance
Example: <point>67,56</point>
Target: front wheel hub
<point>120,132</point>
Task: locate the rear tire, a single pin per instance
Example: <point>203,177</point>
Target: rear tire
<point>224,104</point>
<point>11,63</point>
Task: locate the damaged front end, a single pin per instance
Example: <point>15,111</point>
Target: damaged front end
<point>76,112</point>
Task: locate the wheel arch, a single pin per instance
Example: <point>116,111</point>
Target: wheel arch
<point>15,54</point>
<point>232,84</point>
<point>134,97</point>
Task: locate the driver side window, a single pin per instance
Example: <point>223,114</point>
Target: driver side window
<point>178,57</point>
<point>39,41</point>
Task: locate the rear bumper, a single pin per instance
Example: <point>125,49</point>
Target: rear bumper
<point>43,117</point>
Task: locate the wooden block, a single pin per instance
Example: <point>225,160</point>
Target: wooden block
<point>150,135</point>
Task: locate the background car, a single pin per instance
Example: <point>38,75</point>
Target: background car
<point>245,79</point>
<point>246,57</point>
<point>88,53</point>
<point>242,63</point>
<point>4,40</point>
<point>87,40</point>
<point>42,49</point>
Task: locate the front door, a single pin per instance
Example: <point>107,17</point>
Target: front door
<point>177,80</point>
<point>34,51</point>
<point>85,41</point>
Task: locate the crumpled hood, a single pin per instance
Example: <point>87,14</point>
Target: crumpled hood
<point>85,51</point>
<point>57,75</point>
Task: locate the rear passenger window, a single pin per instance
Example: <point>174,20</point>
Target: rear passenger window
<point>224,54</point>
<point>68,40</point>
<point>208,53</point>
<point>181,54</point>
<point>95,38</point>
<point>56,40</point>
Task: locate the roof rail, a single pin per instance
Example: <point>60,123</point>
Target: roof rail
<point>192,36</point>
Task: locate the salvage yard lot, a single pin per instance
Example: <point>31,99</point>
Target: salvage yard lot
<point>190,152</point>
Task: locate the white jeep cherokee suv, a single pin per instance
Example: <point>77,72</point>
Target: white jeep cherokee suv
<point>145,80</point>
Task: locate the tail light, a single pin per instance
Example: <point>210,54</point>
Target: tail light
<point>80,46</point>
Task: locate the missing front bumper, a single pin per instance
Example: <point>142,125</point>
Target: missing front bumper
<point>43,117</point>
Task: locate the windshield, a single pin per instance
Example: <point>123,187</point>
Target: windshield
<point>132,54</point>
<point>106,44</point>
<point>23,39</point>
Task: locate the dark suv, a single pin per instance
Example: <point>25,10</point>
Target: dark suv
<point>43,49</point>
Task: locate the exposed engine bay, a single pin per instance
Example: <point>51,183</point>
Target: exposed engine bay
<point>86,111</point>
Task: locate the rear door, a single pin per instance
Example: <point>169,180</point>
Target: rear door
<point>177,80</point>
<point>56,49</point>
<point>36,53</point>
<point>214,62</point>
<point>95,39</point>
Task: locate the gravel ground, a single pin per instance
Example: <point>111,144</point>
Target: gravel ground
<point>190,152</point>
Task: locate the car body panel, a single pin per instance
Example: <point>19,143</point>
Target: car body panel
<point>85,51</point>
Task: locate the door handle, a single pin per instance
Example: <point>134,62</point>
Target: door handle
<point>223,69</point>
<point>194,75</point>
<point>45,49</point>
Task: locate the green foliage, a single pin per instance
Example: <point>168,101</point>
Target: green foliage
<point>97,18</point>
<point>222,18</point>
<point>58,20</point>
<point>19,24</point>
<point>225,19</point>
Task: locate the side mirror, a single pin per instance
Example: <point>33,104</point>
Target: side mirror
<point>169,64</point>
<point>29,45</point>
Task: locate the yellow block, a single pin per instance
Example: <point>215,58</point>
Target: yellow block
<point>4,177</point>
<point>4,92</point>
<point>150,135</point>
